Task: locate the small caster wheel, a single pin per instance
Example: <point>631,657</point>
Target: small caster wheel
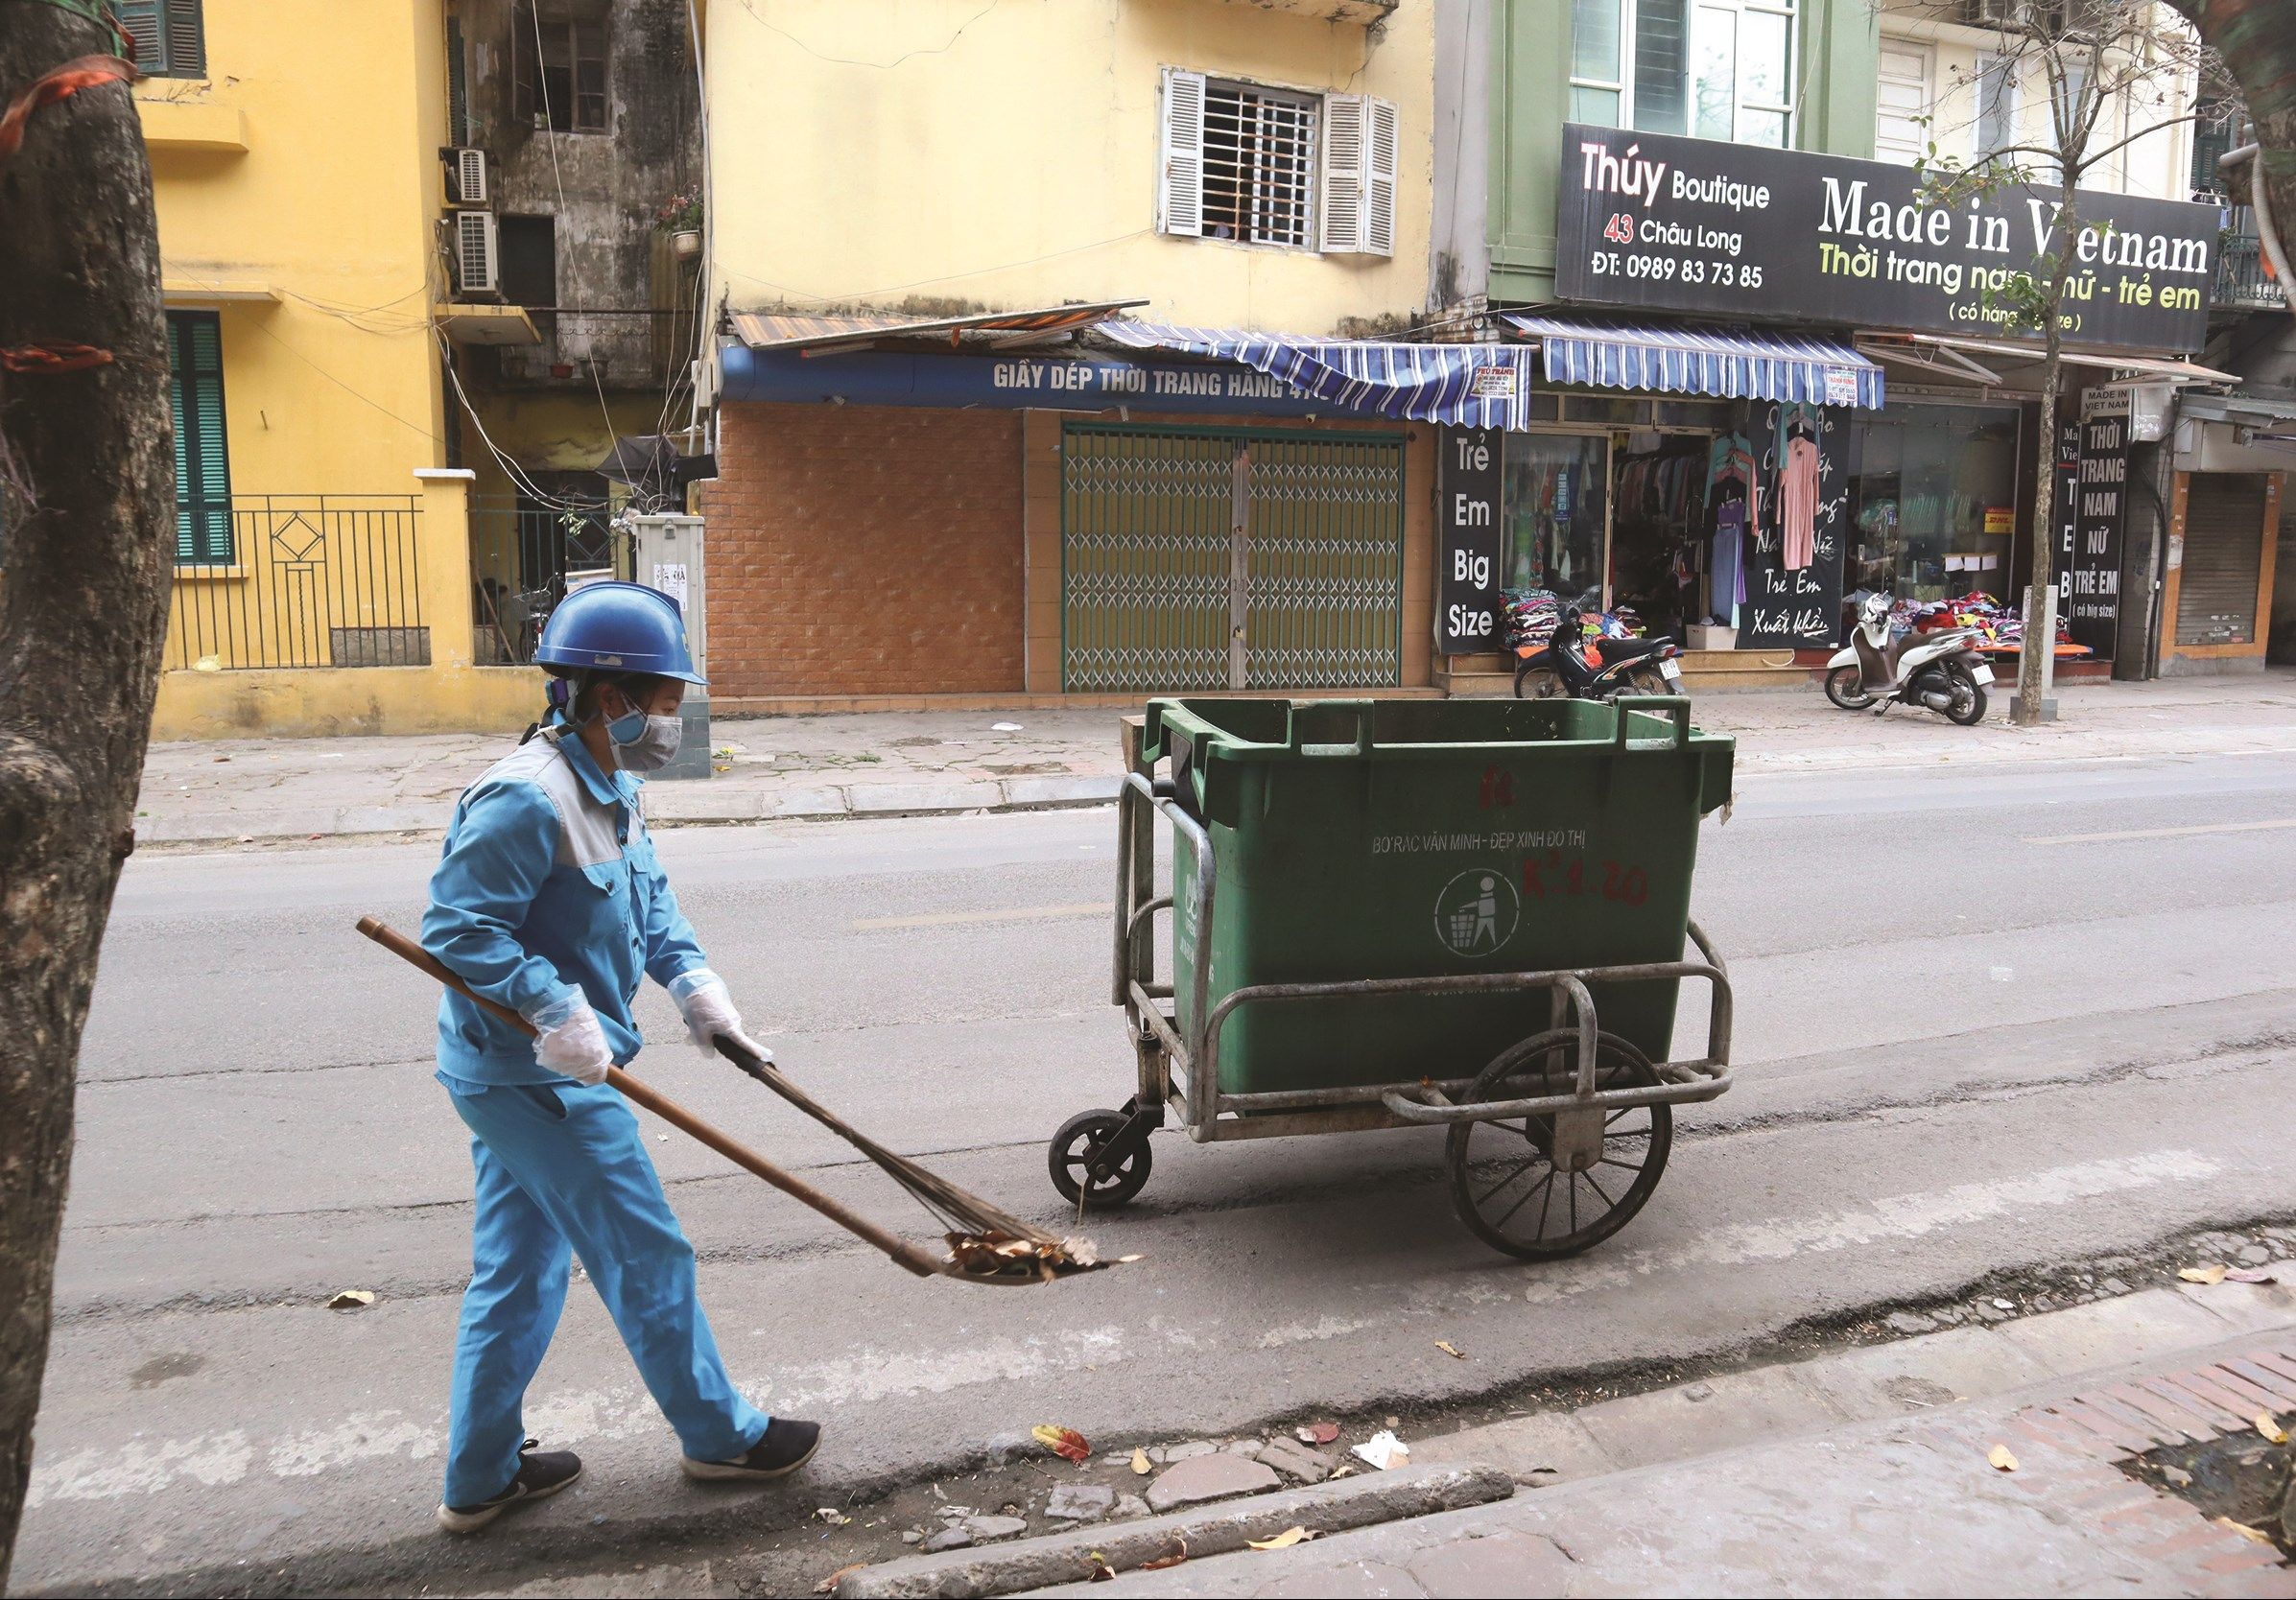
<point>1074,1148</point>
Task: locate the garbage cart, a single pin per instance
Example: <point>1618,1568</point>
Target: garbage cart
<point>1461,913</point>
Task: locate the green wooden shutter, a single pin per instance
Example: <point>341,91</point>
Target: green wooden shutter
<point>195,349</point>
<point>143,23</point>
<point>186,39</point>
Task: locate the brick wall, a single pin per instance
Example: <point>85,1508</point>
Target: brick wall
<point>865,550</point>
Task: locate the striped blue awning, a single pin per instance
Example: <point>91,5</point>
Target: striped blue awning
<point>1469,386</point>
<point>1702,360</point>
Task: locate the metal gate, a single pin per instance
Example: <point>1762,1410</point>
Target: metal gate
<point>1230,558</point>
<point>2224,559</point>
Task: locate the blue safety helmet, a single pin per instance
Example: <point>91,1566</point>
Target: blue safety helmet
<point>617,627</point>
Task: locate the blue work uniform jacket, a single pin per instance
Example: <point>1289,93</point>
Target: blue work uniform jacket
<point>549,883</point>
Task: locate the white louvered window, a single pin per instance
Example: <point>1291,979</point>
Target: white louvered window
<point>1359,175</point>
<point>1239,161</point>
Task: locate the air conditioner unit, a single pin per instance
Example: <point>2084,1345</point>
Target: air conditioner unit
<point>466,176</point>
<point>477,263</point>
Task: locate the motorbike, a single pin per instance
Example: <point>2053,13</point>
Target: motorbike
<point>1940,671</point>
<point>1568,664</point>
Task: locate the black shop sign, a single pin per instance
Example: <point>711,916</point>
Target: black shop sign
<point>1648,220</point>
<point>1467,534</point>
<point>2089,584</point>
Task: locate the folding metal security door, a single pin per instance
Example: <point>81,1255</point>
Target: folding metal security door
<point>1230,558</point>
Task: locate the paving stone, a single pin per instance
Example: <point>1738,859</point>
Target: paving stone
<point>805,802</point>
<point>1665,1425</point>
<point>2111,1332</point>
<point>1910,1322</point>
<point>700,803</point>
<point>1189,1451</point>
<point>1504,1563</point>
<point>1084,1502</point>
<point>1208,1477</point>
<point>1921,1374</point>
<point>1346,1581</point>
<point>1071,789</point>
<point>948,1539</point>
<point>1295,1460</point>
<point>987,1530</point>
<point>1129,1506</point>
<point>881,799</point>
<point>1540,1449</point>
<point>2250,1307</point>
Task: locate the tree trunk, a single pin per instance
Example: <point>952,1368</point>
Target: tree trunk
<point>2035,657</point>
<point>2258,41</point>
<point>83,618</point>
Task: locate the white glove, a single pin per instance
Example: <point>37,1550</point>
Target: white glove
<point>708,1009</point>
<point>569,1040</point>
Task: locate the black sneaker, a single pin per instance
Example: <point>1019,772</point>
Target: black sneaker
<point>786,1447</point>
<point>541,1475</point>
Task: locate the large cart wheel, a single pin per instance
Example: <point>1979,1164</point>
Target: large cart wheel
<point>1505,1182</point>
<point>1076,1147</point>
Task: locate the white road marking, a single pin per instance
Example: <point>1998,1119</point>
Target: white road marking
<point>2167,833</point>
<point>1901,1216</point>
<point>568,1419</point>
<point>951,919</point>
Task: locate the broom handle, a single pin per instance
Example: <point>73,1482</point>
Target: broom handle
<point>671,1111</point>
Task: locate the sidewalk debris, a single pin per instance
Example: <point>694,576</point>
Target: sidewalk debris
<point>1066,1443</point>
<point>1383,1450</point>
<point>352,1300</point>
<point>2002,1461</point>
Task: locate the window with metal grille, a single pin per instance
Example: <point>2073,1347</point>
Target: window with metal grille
<point>558,71</point>
<point>195,363</point>
<point>171,36</point>
<point>1259,164</point>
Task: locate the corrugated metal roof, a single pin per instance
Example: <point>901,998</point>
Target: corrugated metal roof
<point>778,331</point>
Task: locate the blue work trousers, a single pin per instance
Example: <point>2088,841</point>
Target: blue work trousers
<point>563,1167</point>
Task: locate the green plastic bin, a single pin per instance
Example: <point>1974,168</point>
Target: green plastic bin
<point>1408,838</point>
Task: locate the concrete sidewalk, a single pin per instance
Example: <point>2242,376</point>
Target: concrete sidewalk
<point>922,762</point>
<point>1866,1473</point>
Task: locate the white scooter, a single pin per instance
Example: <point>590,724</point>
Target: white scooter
<point>1940,671</point>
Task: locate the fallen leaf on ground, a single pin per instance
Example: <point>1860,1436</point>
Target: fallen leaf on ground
<point>1344,1470</point>
<point>352,1300</point>
<point>2253,1274</point>
<point>1317,1433</point>
<point>835,1518</point>
<point>2213,1273</point>
<point>2178,1476</point>
<point>1141,1464</point>
<point>2002,1461</point>
<point>1163,1561</point>
<point>2243,1530</point>
<point>1283,1540</point>
<point>829,1584</point>
<point>2273,1432</point>
<point>1102,1571</point>
<point>1066,1443</point>
<point>1449,1349</point>
<point>1382,1449</point>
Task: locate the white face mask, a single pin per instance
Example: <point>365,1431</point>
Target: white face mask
<point>644,743</point>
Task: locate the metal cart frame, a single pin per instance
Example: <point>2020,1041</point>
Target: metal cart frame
<point>1179,1070</point>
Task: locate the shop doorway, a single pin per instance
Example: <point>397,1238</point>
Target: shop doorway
<point>1229,558</point>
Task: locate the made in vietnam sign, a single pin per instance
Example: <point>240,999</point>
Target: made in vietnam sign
<point>1738,230</point>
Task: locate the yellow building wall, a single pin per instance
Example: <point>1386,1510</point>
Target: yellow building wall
<point>298,195</point>
<point>1008,158</point>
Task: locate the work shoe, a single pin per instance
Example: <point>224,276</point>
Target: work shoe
<point>786,1447</point>
<point>541,1473</point>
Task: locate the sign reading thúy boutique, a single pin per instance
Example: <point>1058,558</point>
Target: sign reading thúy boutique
<point>1739,230</point>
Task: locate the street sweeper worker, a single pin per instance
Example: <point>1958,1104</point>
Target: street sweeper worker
<point>548,900</point>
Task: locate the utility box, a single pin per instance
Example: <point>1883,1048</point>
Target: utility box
<point>669,558</point>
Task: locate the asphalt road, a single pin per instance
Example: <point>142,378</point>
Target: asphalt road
<point>1988,1017</point>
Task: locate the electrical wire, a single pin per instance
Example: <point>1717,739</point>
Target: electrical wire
<point>880,66</point>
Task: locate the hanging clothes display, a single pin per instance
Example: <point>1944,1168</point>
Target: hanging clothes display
<point>1798,485</point>
<point>1732,489</point>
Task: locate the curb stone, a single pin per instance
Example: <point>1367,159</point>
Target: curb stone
<point>1353,1502</point>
